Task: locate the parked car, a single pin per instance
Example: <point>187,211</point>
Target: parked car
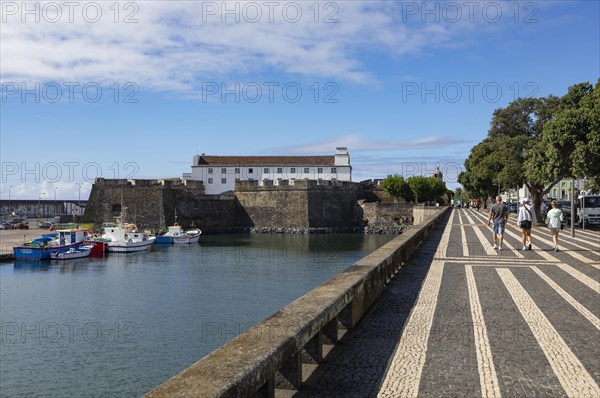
<point>21,226</point>
<point>565,206</point>
<point>7,225</point>
<point>44,225</point>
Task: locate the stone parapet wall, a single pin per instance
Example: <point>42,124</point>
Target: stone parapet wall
<point>271,354</point>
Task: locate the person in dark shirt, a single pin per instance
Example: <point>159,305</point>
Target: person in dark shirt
<point>499,215</point>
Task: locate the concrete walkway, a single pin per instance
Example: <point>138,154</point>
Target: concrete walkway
<point>466,320</point>
<point>13,237</point>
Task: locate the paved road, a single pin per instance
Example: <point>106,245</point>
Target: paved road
<point>13,237</point>
<point>466,320</point>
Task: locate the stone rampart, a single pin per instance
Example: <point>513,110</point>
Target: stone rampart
<point>264,206</point>
<point>387,217</point>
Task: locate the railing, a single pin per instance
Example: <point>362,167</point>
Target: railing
<point>270,355</point>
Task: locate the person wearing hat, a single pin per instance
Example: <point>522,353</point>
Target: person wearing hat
<point>525,221</point>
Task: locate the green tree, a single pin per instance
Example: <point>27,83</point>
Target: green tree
<point>536,142</point>
<point>397,187</point>
<point>570,143</point>
<point>420,188</point>
<point>437,187</point>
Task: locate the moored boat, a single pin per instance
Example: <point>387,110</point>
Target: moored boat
<point>59,241</point>
<point>82,252</point>
<point>125,238</point>
<point>187,237</point>
<point>173,230</point>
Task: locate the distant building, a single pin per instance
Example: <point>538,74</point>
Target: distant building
<point>438,174</point>
<point>219,173</point>
<point>560,191</point>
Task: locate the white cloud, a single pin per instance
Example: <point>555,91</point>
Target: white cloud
<point>175,45</point>
<point>357,143</point>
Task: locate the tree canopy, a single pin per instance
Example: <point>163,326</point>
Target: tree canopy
<point>537,142</point>
<point>414,189</point>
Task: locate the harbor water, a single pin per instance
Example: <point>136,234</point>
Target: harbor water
<point>120,325</point>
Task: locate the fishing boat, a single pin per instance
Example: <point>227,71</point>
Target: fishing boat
<point>99,246</point>
<point>187,237</point>
<point>42,248</point>
<point>82,252</point>
<point>173,230</point>
<point>125,238</point>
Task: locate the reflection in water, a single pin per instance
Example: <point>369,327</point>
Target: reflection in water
<point>121,325</point>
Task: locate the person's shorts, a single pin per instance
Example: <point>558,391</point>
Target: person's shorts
<point>553,230</point>
<point>498,228</point>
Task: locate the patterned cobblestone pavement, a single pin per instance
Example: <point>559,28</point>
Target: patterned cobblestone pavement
<point>465,320</point>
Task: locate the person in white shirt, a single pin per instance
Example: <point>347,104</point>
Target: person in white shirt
<point>554,220</point>
<point>525,221</point>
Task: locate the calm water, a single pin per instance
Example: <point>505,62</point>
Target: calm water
<point>122,325</point>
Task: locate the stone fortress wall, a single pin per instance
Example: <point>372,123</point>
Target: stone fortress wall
<point>264,206</point>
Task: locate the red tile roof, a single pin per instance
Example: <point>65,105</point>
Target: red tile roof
<point>266,161</point>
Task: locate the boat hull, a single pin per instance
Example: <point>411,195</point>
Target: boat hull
<point>129,247</point>
<point>99,248</point>
<point>180,240</point>
<point>40,253</point>
<point>164,239</point>
<point>69,255</point>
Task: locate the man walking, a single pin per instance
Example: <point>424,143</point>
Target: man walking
<point>499,214</point>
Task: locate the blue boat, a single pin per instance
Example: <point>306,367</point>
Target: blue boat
<point>42,248</point>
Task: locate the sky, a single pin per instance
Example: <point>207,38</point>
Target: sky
<point>135,89</point>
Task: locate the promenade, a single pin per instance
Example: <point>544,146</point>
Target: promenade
<point>466,320</point>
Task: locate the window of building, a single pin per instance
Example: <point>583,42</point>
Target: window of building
<point>293,170</point>
<point>223,180</point>
<point>237,170</point>
<point>210,170</point>
<point>320,170</point>
<point>266,170</point>
<point>306,170</point>
<point>223,170</point>
<point>279,170</point>
<point>210,180</point>
<point>250,170</point>
<point>334,169</point>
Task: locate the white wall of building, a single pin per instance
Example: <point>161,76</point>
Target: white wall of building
<point>218,179</point>
<point>221,178</point>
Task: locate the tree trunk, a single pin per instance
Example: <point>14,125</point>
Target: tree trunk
<point>536,201</point>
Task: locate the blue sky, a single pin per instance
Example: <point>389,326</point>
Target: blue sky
<point>405,86</point>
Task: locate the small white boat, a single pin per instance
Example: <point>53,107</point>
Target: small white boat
<point>187,237</point>
<point>81,252</point>
<point>125,238</point>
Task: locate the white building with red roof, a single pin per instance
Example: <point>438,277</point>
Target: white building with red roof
<point>219,173</point>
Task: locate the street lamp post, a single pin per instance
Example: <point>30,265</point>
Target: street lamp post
<point>55,189</point>
<point>39,206</point>
<point>9,212</point>
<point>79,201</point>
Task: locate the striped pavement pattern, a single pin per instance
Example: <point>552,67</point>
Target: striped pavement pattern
<point>484,322</point>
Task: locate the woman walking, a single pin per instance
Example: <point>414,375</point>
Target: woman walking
<point>554,220</point>
<point>525,222</point>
